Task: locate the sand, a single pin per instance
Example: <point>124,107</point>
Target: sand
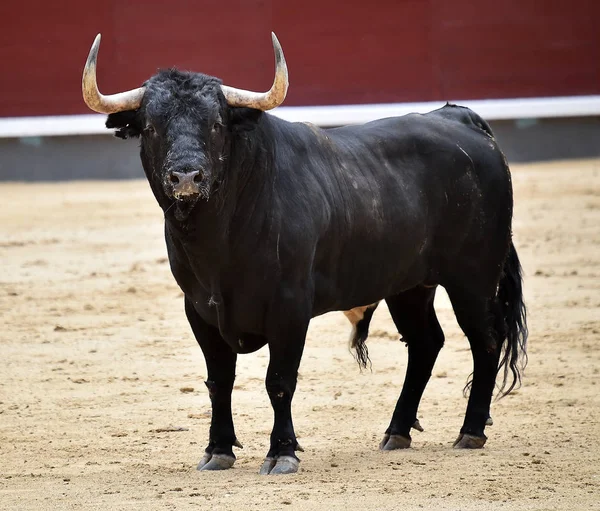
<point>103,405</point>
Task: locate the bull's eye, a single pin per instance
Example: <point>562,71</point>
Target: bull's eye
<point>149,129</point>
<point>216,126</point>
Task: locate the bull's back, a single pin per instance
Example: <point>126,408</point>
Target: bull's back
<point>405,198</point>
<point>445,162</point>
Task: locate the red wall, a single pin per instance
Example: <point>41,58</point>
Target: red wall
<point>337,52</point>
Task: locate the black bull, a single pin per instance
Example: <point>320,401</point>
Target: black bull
<point>289,221</point>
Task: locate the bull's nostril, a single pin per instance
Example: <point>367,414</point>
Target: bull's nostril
<point>197,178</point>
<point>174,179</point>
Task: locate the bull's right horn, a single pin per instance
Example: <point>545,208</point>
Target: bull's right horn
<point>130,100</point>
<point>263,100</point>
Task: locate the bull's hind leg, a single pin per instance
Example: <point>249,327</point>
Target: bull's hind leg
<point>481,321</point>
<point>414,316</point>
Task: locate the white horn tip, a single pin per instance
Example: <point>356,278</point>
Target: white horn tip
<point>96,43</point>
<point>93,55</point>
<point>276,42</point>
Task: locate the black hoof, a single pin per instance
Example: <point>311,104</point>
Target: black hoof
<point>393,442</point>
<point>466,441</point>
<point>279,466</point>
<point>216,462</point>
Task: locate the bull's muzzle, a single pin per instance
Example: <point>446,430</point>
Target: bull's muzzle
<point>185,184</point>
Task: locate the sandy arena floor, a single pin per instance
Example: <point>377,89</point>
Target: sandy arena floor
<point>99,369</point>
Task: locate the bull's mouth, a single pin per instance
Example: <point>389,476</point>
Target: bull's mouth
<point>183,205</point>
<point>186,197</point>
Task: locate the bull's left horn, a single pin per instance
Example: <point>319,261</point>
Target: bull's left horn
<point>120,102</point>
<point>263,100</point>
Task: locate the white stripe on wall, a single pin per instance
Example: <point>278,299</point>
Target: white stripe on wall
<point>334,115</point>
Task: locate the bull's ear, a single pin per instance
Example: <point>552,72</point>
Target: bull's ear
<point>243,119</point>
<point>126,124</point>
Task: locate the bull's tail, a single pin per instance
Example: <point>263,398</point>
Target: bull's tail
<point>514,312</point>
<point>360,317</point>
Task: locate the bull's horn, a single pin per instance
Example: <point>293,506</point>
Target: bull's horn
<point>263,100</point>
<point>129,100</point>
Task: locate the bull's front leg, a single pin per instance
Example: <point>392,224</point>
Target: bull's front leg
<point>220,364</point>
<point>288,326</point>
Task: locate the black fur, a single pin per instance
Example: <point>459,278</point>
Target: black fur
<point>292,221</point>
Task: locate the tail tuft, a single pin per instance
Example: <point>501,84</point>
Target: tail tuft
<point>360,317</point>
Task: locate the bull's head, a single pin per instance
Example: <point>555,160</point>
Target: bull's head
<point>185,121</point>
